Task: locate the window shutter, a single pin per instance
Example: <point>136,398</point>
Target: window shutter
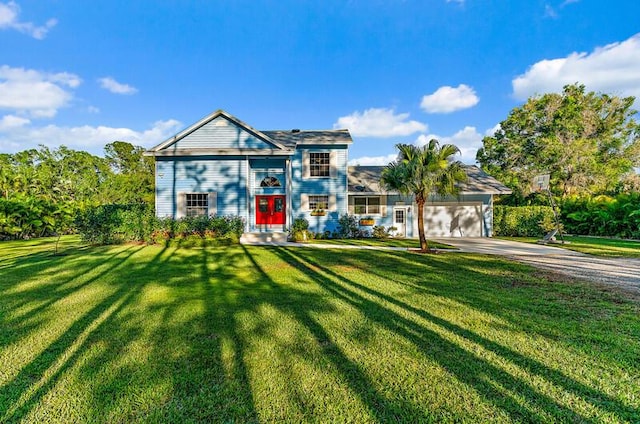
<point>351,207</point>
<point>181,205</point>
<point>306,169</point>
<point>212,203</point>
<point>304,202</point>
<point>333,164</point>
<point>332,202</point>
<point>383,205</point>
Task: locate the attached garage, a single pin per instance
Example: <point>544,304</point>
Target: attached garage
<point>469,214</point>
<point>452,220</point>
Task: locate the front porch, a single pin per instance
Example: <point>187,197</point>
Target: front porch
<point>264,237</point>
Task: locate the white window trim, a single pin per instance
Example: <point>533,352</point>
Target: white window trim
<point>382,206</point>
<point>212,203</point>
<point>306,165</point>
<point>304,201</point>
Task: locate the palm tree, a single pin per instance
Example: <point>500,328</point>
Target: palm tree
<point>422,171</point>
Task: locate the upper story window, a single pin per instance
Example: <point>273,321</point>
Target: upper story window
<point>196,204</point>
<point>366,205</point>
<point>319,164</point>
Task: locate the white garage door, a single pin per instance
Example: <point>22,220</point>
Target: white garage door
<point>452,220</point>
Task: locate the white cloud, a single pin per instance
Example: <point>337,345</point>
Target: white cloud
<point>468,140</point>
<point>379,122</point>
<point>93,139</point>
<point>491,131</point>
<point>110,84</point>
<point>373,160</point>
<point>611,69</point>
<point>448,99</point>
<point>456,1</point>
<point>10,121</point>
<point>36,93</point>
<point>93,109</point>
<point>9,20</point>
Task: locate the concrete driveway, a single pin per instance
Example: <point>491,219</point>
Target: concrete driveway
<point>491,246</point>
<point>622,273</point>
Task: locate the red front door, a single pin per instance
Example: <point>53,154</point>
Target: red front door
<point>270,210</point>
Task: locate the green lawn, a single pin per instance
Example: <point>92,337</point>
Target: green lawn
<point>598,246</point>
<point>390,242</point>
<point>270,334</point>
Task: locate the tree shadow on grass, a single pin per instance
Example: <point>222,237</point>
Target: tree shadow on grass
<point>532,366</point>
<point>467,367</point>
<point>193,365</point>
<point>34,380</point>
<point>514,292</point>
<point>23,308</point>
<point>171,342</point>
<point>377,404</point>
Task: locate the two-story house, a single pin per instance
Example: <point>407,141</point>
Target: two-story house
<point>220,165</point>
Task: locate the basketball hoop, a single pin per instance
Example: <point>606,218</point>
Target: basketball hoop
<point>540,182</point>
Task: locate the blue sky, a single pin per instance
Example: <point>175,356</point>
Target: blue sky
<point>86,73</point>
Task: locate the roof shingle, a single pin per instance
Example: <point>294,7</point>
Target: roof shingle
<point>366,179</point>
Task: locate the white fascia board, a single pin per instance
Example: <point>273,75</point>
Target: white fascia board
<point>221,152</point>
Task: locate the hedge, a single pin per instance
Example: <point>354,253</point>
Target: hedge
<point>521,221</point>
<point>116,223</point>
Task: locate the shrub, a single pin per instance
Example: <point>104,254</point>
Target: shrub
<point>603,215</point>
<point>115,223</point>
<point>348,227</point>
<point>109,224</point>
<point>300,230</point>
<point>25,217</point>
<point>521,221</point>
<point>300,224</point>
<point>381,232</point>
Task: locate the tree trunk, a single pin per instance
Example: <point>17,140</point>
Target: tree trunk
<point>423,240</point>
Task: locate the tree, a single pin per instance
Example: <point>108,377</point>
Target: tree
<point>133,177</point>
<point>586,141</point>
<point>423,171</point>
<point>125,158</point>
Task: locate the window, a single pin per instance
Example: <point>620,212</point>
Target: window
<point>197,204</point>
<point>366,205</point>
<point>319,164</point>
<point>263,205</point>
<point>318,202</point>
<point>270,182</point>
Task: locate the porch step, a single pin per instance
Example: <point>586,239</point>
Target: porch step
<point>264,238</point>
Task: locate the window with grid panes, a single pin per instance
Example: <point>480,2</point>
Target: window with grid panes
<point>318,202</point>
<point>319,164</point>
<point>197,204</point>
<point>366,205</point>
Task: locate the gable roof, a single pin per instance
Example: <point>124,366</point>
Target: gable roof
<point>282,142</point>
<point>204,121</point>
<point>366,180</point>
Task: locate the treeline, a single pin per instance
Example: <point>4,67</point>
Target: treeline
<point>42,190</point>
<point>587,143</point>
